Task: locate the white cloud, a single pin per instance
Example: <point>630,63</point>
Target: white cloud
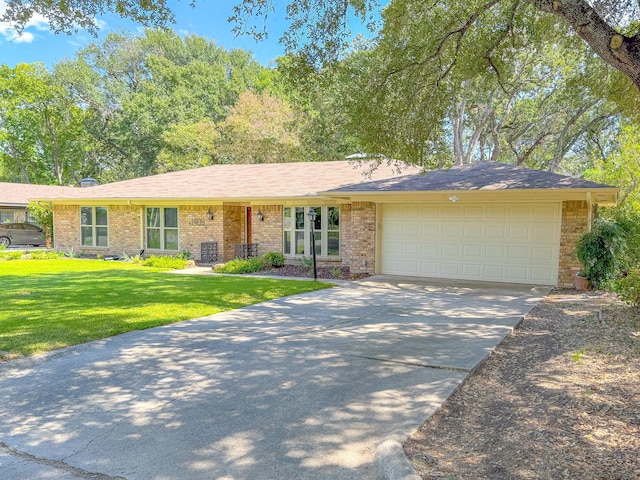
<point>25,37</point>
<point>38,22</point>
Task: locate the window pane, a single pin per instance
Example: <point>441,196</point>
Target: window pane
<point>333,243</point>
<point>318,223</point>
<point>153,238</point>
<point>7,217</point>
<point>86,216</point>
<point>318,238</point>
<point>286,223</point>
<point>287,243</point>
<point>153,217</point>
<point>101,216</point>
<point>87,236</point>
<point>102,237</point>
<point>171,239</point>
<point>299,218</point>
<point>171,218</point>
<point>300,243</point>
<point>333,218</point>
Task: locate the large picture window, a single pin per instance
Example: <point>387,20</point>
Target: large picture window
<point>162,228</point>
<point>297,231</point>
<point>94,227</point>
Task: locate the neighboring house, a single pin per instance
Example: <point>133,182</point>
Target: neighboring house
<point>483,221</point>
<point>14,198</point>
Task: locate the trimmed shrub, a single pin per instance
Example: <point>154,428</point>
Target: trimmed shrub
<point>600,251</point>
<point>239,266</point>
<point>273,259</point>
<point>165,262</point>
<point>10,255</point>
<point>628,288</point>
<point>45,255</point>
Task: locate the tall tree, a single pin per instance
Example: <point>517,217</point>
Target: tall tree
<point>320,28</point>
<point>261,128</point>
<point>41,129</point>
<point>136,88</point>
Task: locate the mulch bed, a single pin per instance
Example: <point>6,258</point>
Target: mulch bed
<point>340,273</point>
<point>558,399</point>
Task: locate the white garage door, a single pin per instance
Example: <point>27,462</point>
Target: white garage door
<point>499,243</point>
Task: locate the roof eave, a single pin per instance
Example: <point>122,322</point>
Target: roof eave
<point>604,196</point>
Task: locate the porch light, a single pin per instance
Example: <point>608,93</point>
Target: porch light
<point>209,215</point>
<point>312,219</point>
<point>260,215</point>
<point>453,198</point>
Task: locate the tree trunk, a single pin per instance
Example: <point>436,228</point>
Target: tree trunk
<point>619,51</point>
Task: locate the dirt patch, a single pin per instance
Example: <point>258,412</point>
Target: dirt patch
<point>558,399</point>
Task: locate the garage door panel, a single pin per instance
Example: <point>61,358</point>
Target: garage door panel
<point>473,251</point>
<point>518,232</point>
<point>430,250</point>
<point>473,212</point>
<point>431,230</point>
<point>543,233</point>
<point>494,251</point>
<point>472,231</point>
<point>451,231</point>
<point>546,212</point>
<point>472,270</point>
<point>542,254</point>
<point>518,252</point>
<point>449,250</point>
<point>451,269</point>
<point>512,243</point>
<point>496,213</point>
<point>542,275</point>
<point>495,232</point>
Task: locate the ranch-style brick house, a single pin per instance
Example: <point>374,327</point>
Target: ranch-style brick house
<point>482,221</point>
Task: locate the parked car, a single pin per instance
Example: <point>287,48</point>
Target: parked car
<point>21,234</point>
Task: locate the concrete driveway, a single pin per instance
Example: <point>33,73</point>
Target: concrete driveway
<point>304,387</point>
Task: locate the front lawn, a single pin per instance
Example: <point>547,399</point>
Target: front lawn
<point>50,304</point>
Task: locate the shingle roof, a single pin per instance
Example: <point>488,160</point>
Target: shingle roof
<point>489,176</point>
<point>19,194</point>
<point>275,180</point>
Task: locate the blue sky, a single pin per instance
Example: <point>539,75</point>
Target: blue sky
<point>208,19</point>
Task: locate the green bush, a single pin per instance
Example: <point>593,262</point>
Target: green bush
<point>238,266</point>
<point>273,259</point>
<point>165,262</point>
<point>11,255</point>
<point>45,255</point>
<point>600,251</point>
<point>184,255</point>
<point>628,288</point>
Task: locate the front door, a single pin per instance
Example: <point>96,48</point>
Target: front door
<point>248,222</point>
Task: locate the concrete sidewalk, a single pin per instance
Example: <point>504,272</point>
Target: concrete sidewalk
<point>302,387</point>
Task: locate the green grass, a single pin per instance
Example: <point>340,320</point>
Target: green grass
<point>50,304</point>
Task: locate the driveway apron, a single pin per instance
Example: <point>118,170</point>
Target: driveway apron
<point>304,387</point>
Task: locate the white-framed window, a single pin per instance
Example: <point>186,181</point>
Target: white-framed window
<point>296,231</point>
<point>162,228</point>
<point>6,216</point>
<point>94,227</point>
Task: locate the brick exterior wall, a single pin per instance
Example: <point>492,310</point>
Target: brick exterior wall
<point>268,233</point>
<point>233,218</point>
<point>124,230</point>
<point>361,237</point>
<point>575,222</point>
<point>195,228</point>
